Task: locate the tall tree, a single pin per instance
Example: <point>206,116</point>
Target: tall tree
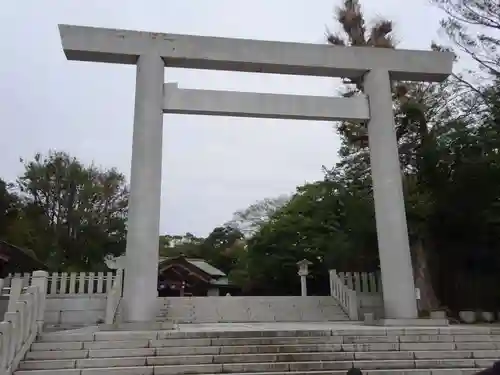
<point>222,247</point>
<point>174,245</point>
<point>10,206</point>
<point>82,210</point>
<point>324,223</point>
<point>249,220</point>
<point>473,26</point>
<point>465,217</point>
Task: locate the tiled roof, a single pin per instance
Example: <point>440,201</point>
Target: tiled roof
<point>202,265</point>
<point>206,267</point>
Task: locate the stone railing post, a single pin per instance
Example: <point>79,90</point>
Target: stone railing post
<point>12,319</point>
<point>352,305</point>
<point>39,280</point>
<point>16,287</point>
<point>331,275</point>
<point>5,340</point>
<point>119,281</point>
<point>114,296</point>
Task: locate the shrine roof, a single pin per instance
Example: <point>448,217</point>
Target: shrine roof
<point>207,267</point>
<point>20,259</point>
<point>201,264</point>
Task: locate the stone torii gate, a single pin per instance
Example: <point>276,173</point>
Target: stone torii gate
<point>151,52</point>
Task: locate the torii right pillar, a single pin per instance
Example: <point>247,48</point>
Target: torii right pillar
<point>392,231</point>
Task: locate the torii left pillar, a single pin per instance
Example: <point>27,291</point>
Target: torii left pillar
<point>141,278</point>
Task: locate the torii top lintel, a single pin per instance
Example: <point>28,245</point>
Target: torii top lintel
<point>246,55</point>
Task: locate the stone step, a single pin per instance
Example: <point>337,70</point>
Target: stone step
<point>103,340</point>
<point>140,365</point>
<point>256,341</point>
<point>326,339</point>
<point>112,335</point>
<point>287,359</point>
<point>122,349</point>
<point>463,334</point>
<point>157,370</point>
<point>332,317</point>
<point>272,356</point>
<point>376,350</point>
<point>79,345</point>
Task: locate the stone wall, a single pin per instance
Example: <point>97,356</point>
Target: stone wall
<point>75,309</point>
<point>370,303</point>
<point>251,309</point>
<point>89,309</point>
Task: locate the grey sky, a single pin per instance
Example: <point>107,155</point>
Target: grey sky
<point>212,166</point>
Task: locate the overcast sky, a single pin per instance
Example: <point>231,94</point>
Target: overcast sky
<point>212,166</point>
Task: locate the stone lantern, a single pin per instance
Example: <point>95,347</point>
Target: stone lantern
<point>115,263</point>
<point>303,272</point>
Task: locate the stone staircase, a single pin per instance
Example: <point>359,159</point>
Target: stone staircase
<point>376,350</point>
<point>251,309</point>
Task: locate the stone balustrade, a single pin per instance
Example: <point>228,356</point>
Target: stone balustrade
<point>346,297</point>
<point>72,282</point>
<point>23,319</point>
<point>362,282</point>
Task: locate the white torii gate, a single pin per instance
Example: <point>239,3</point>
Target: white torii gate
<point>151,52</point>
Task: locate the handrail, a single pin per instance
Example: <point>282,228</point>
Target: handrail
<point>23,320</point>
<point>346,297</point>
<point>113,298</point>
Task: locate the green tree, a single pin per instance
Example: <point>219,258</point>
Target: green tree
<point>222,247</point>
<point>464,222</point>
<point>10,207</point>
<point>250,220</point>
<point>77,213</point>
<point>321,223</point>
<point>175,245</point>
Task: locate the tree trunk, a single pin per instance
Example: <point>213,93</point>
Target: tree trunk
<point>428,299</point>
